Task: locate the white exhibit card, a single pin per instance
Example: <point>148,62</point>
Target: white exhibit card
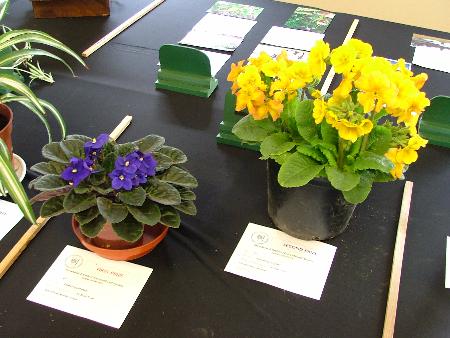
<point>273,51</point>
<point>270,256</point>
<point>86,285</point>
<point>217,60</point>
<point>432,58</point>
<point>291,38</point>
<point>447,268</point>
<point>10,215</point>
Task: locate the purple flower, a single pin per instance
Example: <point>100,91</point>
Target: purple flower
<point>76,172</point>
<point>121,180</point>
<point>138,179</point>
<point>92,149</point>
<point>127,164</point>
<point>147,163</point>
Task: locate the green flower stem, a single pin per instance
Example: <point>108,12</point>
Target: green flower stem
<point>340,153</point>
<point>366,137</point>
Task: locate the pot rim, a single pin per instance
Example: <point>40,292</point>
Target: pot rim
<point>7,112</point>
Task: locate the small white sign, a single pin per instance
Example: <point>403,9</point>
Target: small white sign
<point>291,38</point>
<point>447,269</point>
<point>270,256</point>
<point>273,51</point>
<point>10,215</point>
<point>432,58</point>
<point>86,285</point>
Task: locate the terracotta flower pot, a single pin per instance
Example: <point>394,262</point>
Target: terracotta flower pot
<point>6,125</point>
<point>315,211</point>
<point>110,246</point>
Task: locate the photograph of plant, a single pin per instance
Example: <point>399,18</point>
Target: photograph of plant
<point>310,19</point>
<point>236,10</point>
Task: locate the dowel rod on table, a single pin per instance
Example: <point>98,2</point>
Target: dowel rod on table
<point>394,286</point>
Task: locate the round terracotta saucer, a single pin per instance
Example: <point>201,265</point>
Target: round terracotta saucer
<point>19,167</point>
<point>152,236</point>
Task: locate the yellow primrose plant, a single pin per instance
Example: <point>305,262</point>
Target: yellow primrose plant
<point>364,132</point>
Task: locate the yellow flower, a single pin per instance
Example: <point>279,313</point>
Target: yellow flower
<point>407,155</point>
<point>320,108</point>
<point>399,167</point>
<point>250,99</point>
<point>316,58</point>
<point>250,79</point>
<point>236,69</point>
<point>343,58</point>
<point>344,88</point>
<point>316,94</point>
<point>416,142</point>
<point>300,75</point>
<point>260,60</point>
<point>419,80</point>
<point>401,66</point>
<point>351,131</point>
<point>362,49</point>
<point>275,109</point>
<point>331,118</point>
<point>376,89</point>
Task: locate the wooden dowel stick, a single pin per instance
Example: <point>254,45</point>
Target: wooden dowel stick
<point>331,73</point>
<point>33,230</point>
<point>394,286</point>
<point>119,29</point>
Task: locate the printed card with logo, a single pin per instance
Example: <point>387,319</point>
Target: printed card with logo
<point>86,285</point>
<point>270,256</point>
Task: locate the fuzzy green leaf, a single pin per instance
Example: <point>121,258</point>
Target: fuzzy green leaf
<point>309,150</point>
<point>369,160</point>
<point>186,194</point>
<point>53,207</point>
<point>307,128</point>
<point>380,140</point>
<point>359,193</point>
<point>276,144</point>
<point>93,227</point>
<point>170,217</point>
<point>54,152</point>
<point>125,148</point>
<point>163,161</point>
<point>342,180</point>
<point>175,154</point>
<point>97,178</point>
<point>250,130</point>
<point>103,190</point>
<point>331,156</point>
<point>82,138</point>
<point>148,213</point>
<point>73,148</point>
<point>163,192</point>
<point>329,134</point>
<point>50,167</point>
<point>298,170</point>
<point>48,183</point>
<point>188,207</point>
<point>150,143</point>
<point>133,197</point>
<point>129,229</point>
<point>74,203</point>
<point>280,159</point>
<point>113,212</point>
<point>180,177</point>
<point>87,215</point>
<point>108,162</point>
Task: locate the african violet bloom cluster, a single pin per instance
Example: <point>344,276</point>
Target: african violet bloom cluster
<point>364,132</point>
<point>128,185</point>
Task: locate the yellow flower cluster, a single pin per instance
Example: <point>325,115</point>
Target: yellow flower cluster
<point>264,85</point>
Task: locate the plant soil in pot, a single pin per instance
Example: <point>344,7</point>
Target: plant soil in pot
<point>315,211</point>
<point>6,125</point>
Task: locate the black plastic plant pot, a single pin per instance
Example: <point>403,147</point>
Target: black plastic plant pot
<point>315,211</point>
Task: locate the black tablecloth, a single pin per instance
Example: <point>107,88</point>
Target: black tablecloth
<point>188,293</point>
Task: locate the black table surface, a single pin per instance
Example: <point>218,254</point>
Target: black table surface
<point>188,293</point>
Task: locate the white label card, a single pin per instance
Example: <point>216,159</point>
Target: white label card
<point>10,215</point>
<point>270,256</point>
<point>291,38</point>
<point>86,285</point>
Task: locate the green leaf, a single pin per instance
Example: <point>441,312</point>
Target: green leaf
<point>383,112</point>
<point>87,215</point>
<point>298,170</point>
<point>329,134</point>
<point>82,138</point>
<point>4,5</point>
<point>170,217</point>
<point>276,144</point>
<point>150,143</point>
<point>133,197</point>
<point>113,212</point>
<point>379,140</point>
<point>129,229</point>
<point>97,178</point>
<point>103,190</point>
<point>312,152</point>
<point>288,117</point>
<point>93,227</point>
<point>355,147</point>
<point>306,126</point>
<point>368,160</point>
<point>53,207</point>
<point>342,180</point>
<point>148,213</point>
<point>109,161</point>
<point>125,148</point>
<point>48,168</point>
<point>186,194</point>
<point>359,193</point>
<point>250,130</point>
<point>73,148</point>
<point>74,203</point>
<point>280,159</point>
<point>15,189</point>
<point>48,182</point>
<point>175,154</point>
<point>180,177</point>
<point>331,156</point>
<point>163,161</point>
<point>83,187</point>
<point>163,192</point>
<point>54,152</point>
<point>188,207</point>
<point>16,86</point>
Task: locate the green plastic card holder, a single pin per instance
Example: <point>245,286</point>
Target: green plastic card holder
<point>434,124</point>
<point>230,118</point>
<point>185,70</point>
